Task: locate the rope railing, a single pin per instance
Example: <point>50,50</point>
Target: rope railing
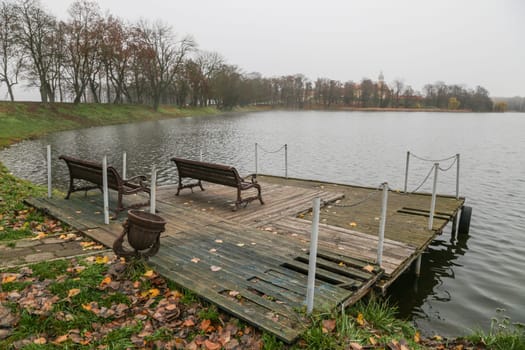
<point>432,160</point>
<point>285,147</point>
<point>436,165</point>
<point>266,151</point>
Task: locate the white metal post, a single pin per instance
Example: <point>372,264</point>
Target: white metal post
<point>313,257</point>
<point>382,225</point>
<point>286,160</point>
<point>256,158</point>
<point>434,194</point>
<point>153,190</point>
<point>418,265</point>
<point>406,171</point>
<point>457,176</point>
<point>49,190</point>
<point>124,165</point>
<point>105,189</point>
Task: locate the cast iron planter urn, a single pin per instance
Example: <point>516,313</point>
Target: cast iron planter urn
<point>143,230</point>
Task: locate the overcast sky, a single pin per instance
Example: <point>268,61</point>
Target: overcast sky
<point>471,42</point>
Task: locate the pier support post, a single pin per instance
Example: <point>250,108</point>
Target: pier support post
<point>457,176</point>
<point>417,267</point>
<point>434,195</point>
<point>286,160</point>
<point>124,165</point>
<point>153,190</point>
<point>256,158</point>
<point>105,189</point>
<point>313,257</point>
<point>406,171</point>
<point>382,225</point>
<point>49,189</point>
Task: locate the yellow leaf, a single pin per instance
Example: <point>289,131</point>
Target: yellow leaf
<point>1,228</point>
<point>73,292</point>
<point>102,259</point>
<point>8,279</point>
<point>372,340</point>
<point>360,319</point>
<point>353,224</point>
<point>417,337</point>
<point>152,293</point>
<point>86,307</point>
<point>149,274</point>
<point>437,337</point>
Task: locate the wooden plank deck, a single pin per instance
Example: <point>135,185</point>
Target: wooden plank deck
<point>262,250</point>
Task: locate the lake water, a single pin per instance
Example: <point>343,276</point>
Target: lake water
<point>464,280</point>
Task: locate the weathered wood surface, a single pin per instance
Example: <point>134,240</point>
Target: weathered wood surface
<point>262,250</point>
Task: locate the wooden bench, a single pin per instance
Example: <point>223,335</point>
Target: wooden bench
<point>215,173</point>
<point>92,172</point>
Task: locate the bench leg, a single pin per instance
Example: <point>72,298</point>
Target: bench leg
<point>200,185</point>
<point>259,194</point>
<point>70,190</point>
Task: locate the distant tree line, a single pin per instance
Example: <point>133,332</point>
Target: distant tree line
<point>91,57</point>
<point>515,104</point>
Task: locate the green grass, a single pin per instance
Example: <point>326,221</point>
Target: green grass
<point>503,334</point>
<point>25,120</point>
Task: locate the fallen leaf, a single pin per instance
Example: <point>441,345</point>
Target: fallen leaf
<point>215,268</point>
<point>188,323</point>
<point>240,244</point>
<point>233,293</point>
<point>86,307</point>
<point>102,260</point>
<point>417,337</point>
<point>353,224</point>
<point>368,268</point>
<point>105,281</point>
<point>195,260</point>
<point>211,345</point>
<point>372,340</point>
<point>1,228</point>
<point>60,339</point>
<point>213,250</point>
<point>8,279</point>
<point>328,326</point>
<point>205,324</point>
<point>218,241</point>
<point>40,235</point>
<point>78,211</point>
<point>40,341</point>
<point>149,274</point>
<point>360,319</point>
<point>356,346</point>
<point>73,292</point>
<point>437,337</point>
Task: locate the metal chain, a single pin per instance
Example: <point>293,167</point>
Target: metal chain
<point>450,166</point>
<point>432,160</point>
<point>422,183</point>
<point>370,196</point>
<point>264,150</point>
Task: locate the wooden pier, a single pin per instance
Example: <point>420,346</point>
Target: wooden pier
<point>253,262</point>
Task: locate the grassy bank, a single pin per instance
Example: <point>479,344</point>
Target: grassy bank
<point>24,120</point>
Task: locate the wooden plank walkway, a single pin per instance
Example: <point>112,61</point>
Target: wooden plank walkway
<point>253,262</point>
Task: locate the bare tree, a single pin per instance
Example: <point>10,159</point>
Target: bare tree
<point>82,47</point>
<point>162,57</point>
<point>11,54</point>
<point>36,36</point>
<point>399,85</point>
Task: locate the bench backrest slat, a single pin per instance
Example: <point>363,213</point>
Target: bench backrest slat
<point>92,172</point>
<point>216,173</point>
